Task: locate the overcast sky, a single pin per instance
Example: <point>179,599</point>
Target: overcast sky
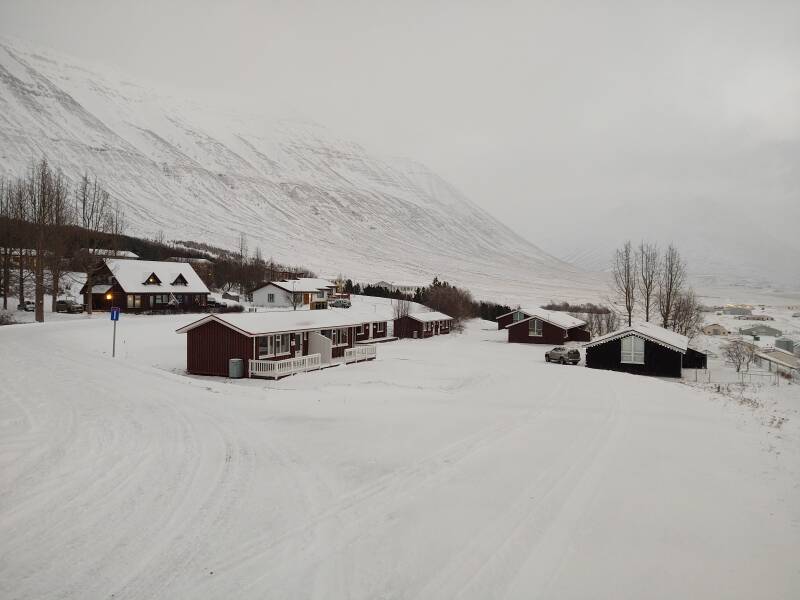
<point>523,105</point>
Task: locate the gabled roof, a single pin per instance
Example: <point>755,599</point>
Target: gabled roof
<point>301,285</point>
<point>647,331</point>
<point>265,323</point>
<point>554,317</point>
<point>427,317</point>
<point>131,275</point>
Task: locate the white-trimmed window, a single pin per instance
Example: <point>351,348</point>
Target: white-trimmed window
<point>274,345</point>
<point>134,301</point>
<point>632,350</point>
<point>535,328</point>
<point>518,316</point>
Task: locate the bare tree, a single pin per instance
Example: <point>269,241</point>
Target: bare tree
<point>648,266</point>
<point>20,212</point>
<point>40,196</point>
<point>686,316</point>
<point>624,271</point>
<point>672,278</point>
<point>61,216</point>
<point>5,238</point>
<point>401,309</point>
<point>739,353</point>
<point>242,275</point>
<point>91,209</point>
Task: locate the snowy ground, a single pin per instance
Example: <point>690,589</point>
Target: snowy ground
<point>459,466</point>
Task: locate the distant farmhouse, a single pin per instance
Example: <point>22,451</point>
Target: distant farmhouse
<point>541,326</point>
<point>644,349</point>
<point>146,285</point>
<point>301,292</point>
<point>778,361</point>
<point>755,318</point>
<point>761,330</point>
<point>409,289</point>
<point>715,329</point>
<point>737,310</point>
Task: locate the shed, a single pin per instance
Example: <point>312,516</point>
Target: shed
<point>642,349</point>
<point>695,359</point>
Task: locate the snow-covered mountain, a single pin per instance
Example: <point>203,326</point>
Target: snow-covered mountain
<point>300,193</point>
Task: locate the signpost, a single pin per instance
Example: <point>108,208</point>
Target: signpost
<point>114,318</point>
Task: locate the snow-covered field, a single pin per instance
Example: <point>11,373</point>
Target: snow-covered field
<point>459,466</point>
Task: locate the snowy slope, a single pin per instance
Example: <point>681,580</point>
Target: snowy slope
<point>455,467</point>
<point>298,191</point>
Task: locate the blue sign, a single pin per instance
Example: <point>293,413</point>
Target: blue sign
<point>115,313</point>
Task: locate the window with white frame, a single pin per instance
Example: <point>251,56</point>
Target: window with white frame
<point>274,345</point>
<point>134,301</point>
<point>535,328</point>
<point>321,294</point>
<point>518,316</point>
<point>632,350</point>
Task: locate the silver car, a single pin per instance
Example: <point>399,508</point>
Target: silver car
<point>563,355</point>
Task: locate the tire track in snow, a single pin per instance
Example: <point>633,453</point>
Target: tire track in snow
<point>492,560</point>
<point>347,516</point>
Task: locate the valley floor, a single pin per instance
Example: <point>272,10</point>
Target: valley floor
<point>459,466</point>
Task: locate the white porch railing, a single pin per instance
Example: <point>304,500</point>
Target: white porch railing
<point>274,369</point>
<point>360,353</point>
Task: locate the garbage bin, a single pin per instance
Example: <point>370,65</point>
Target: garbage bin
<point>236,368</point>
<point>414,335</point>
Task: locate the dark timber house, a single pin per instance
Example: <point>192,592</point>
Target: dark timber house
<point>642,349</point>
<point>422,325</point>
<point>274,336</point>
<point>541,326</point>
<point>146,285</point>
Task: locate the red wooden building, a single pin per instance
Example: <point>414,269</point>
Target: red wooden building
<point>275,336</point>
<point>146,285</point>
<point>540,326</point>
<point>422,325</point>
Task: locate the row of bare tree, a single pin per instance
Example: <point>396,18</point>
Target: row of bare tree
<point>656,281</point>
<point>35,212</point>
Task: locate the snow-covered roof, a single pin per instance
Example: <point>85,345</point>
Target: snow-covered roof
<point>301,284</point>
<point>648,331</point>
<point>100,289</point>
<point>427,317</point>
<point>132,274</point>
<point>554,317</point>
<point>263,323</point>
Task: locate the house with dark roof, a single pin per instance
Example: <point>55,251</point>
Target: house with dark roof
<point>541,326</point>
<point>145,285</point>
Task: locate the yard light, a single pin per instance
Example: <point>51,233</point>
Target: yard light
<point>108,296</point>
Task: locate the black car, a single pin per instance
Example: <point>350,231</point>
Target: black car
<point>27,306</point>
<point>68,306</point>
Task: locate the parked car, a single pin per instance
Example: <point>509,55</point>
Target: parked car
<point>341,303</point>
<point>563,355</point>
<point>27,305</point>
<point>68,306</point>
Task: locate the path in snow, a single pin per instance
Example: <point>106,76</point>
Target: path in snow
<point>459,467</point>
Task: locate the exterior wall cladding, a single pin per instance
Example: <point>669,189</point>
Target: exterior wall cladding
<point>209,347</point>
<point>504,321</point>
<point>658,360</point>
<point>404,327</point>
<point>550,334</point>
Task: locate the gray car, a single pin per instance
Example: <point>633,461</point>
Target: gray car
<point>563,355</point>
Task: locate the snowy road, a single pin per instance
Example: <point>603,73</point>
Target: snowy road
<point>459,467</point>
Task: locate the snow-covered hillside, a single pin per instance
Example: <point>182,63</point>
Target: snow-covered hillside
<point>298,191</point>
<point>455,467</point>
